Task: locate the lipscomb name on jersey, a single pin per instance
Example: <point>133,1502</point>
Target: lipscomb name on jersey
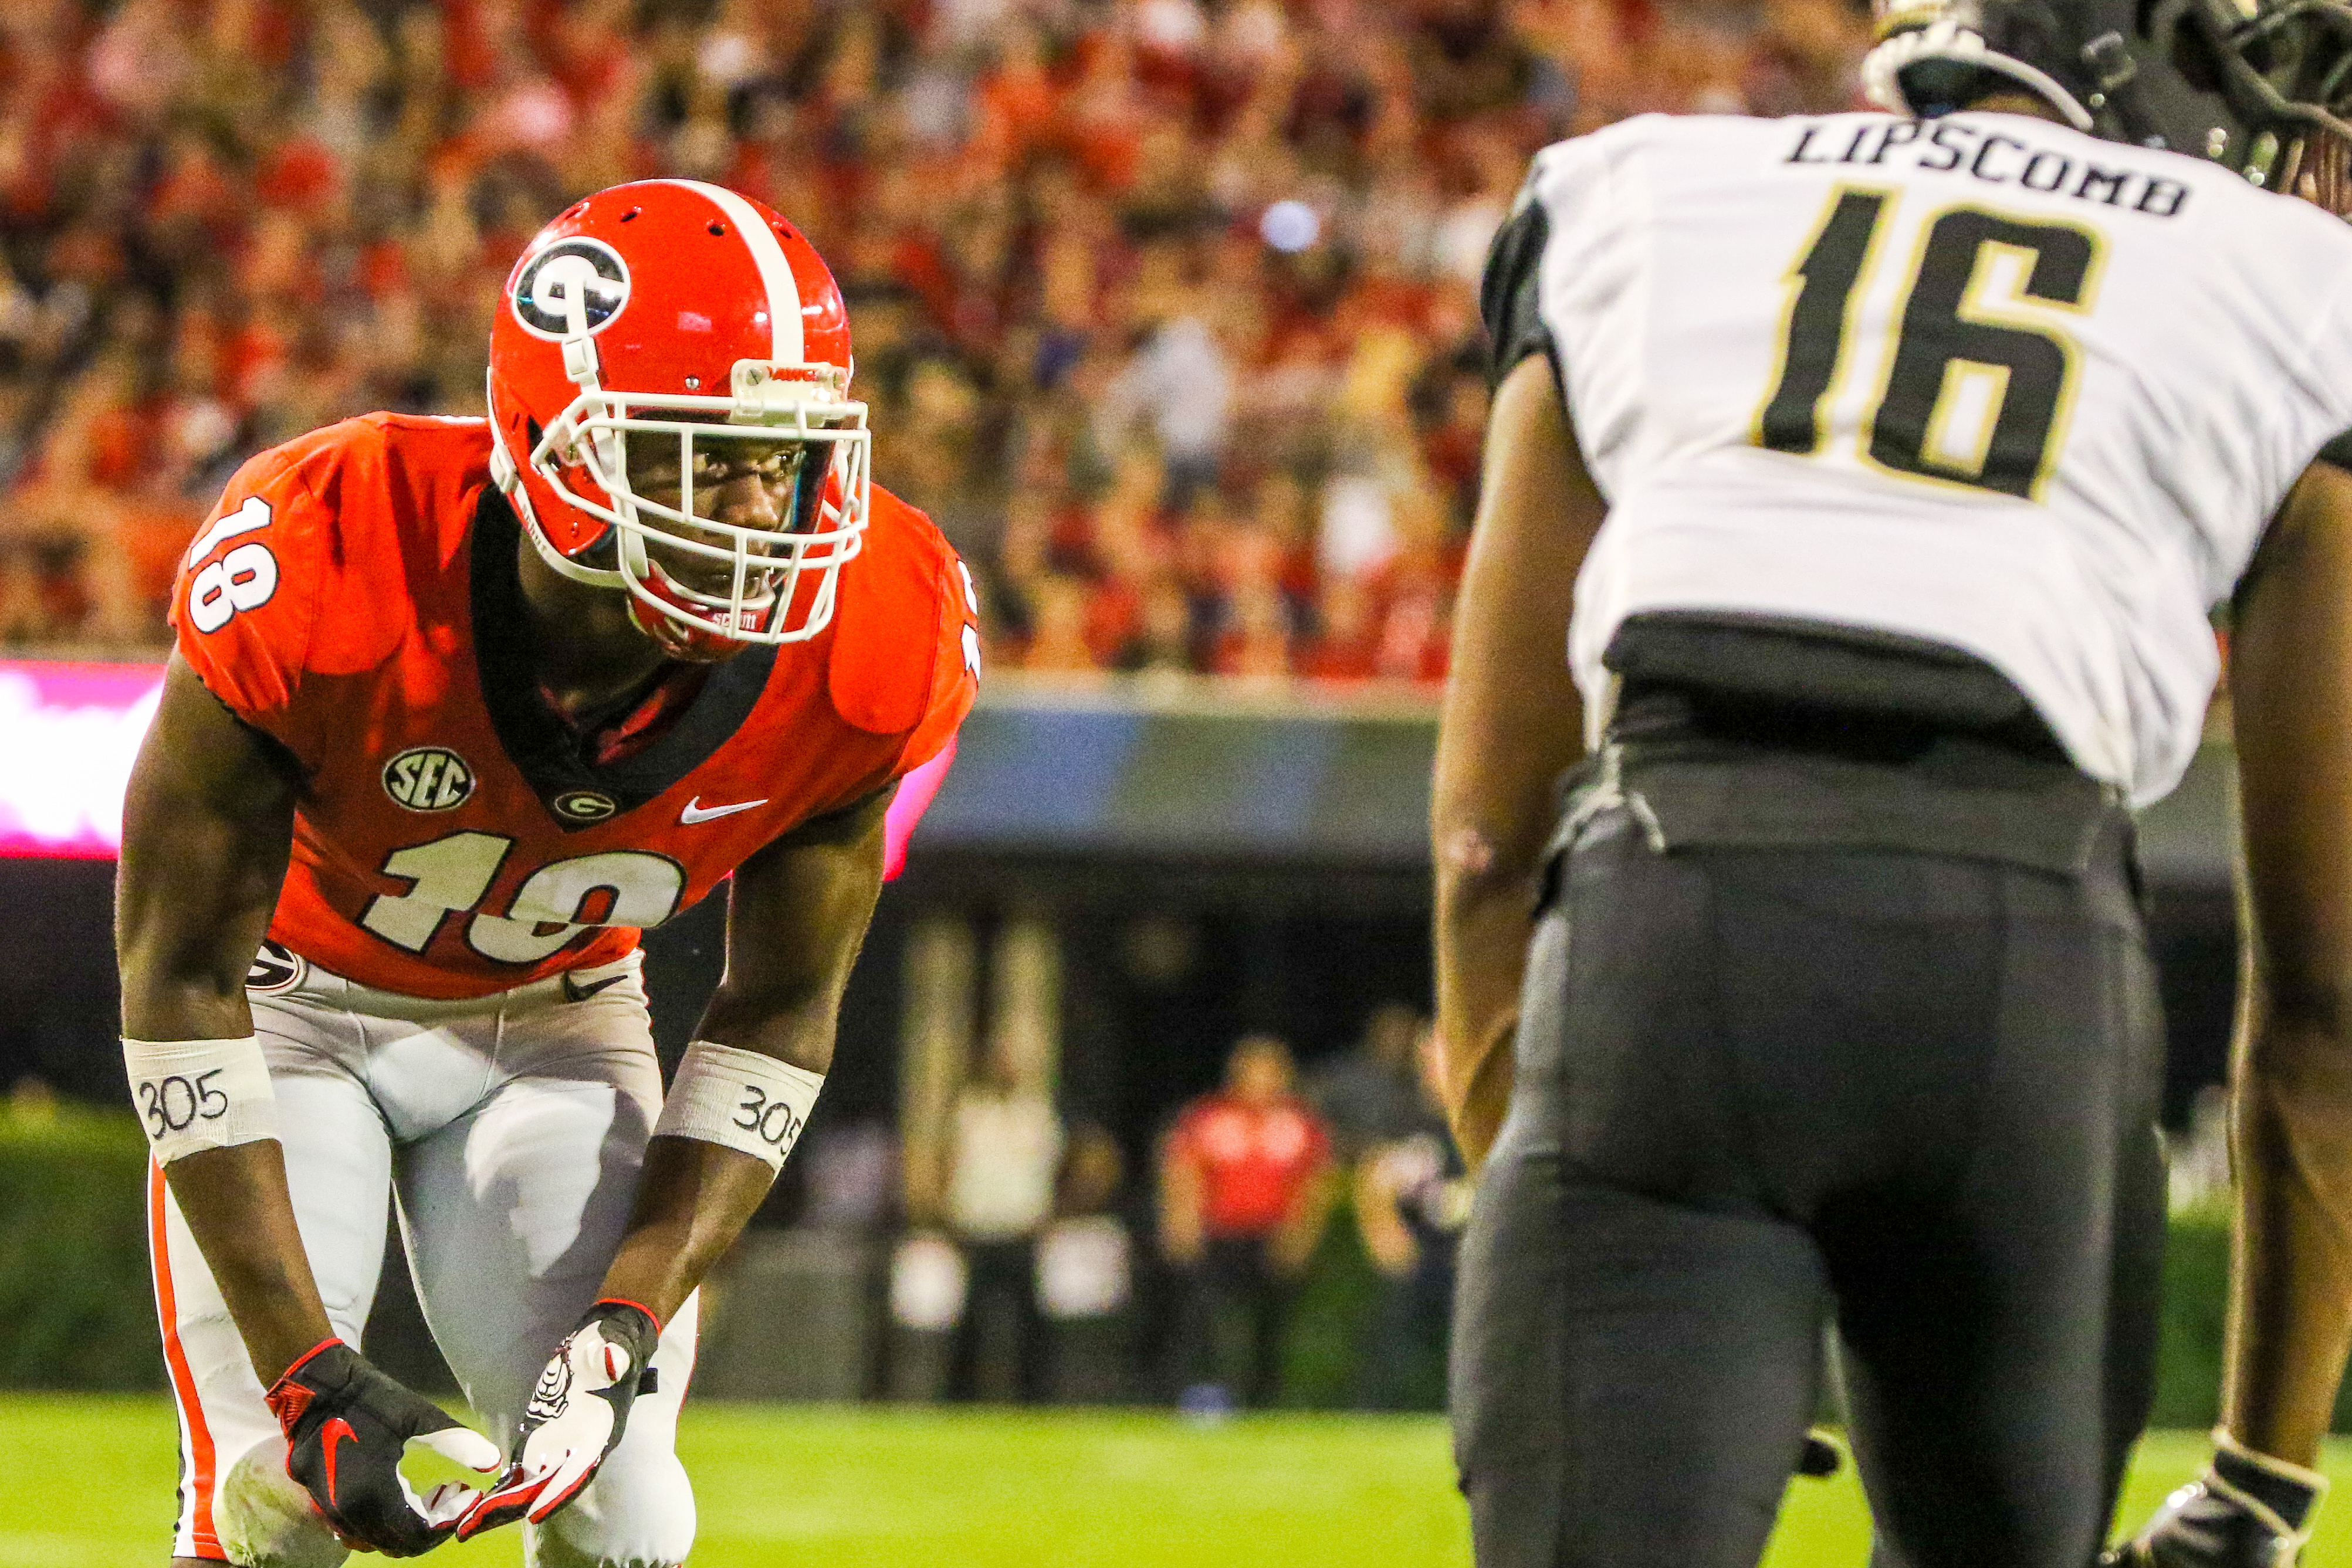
<point>1991,156</point>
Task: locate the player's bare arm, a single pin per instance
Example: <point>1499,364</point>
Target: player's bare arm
<point>207,824</point>
<point>208,821</point>
<point>795,919</point>
<point>2291,1299</point>
<point>1511,724</point>
<point>2291,1069</point>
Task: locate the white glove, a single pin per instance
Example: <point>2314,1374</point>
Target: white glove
<point>575,1416</point>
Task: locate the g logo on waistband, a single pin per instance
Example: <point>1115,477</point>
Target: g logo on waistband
<point>276,969</point>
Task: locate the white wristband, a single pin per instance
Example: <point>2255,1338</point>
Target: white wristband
<point>195,1094</point>
<point>739,1099</point>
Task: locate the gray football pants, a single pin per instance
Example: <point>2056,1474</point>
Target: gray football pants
<point>1760,1089</point>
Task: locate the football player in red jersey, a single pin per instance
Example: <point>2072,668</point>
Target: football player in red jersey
<point>456,706</point>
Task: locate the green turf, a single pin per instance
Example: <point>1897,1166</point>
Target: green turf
<point>882,1488</point>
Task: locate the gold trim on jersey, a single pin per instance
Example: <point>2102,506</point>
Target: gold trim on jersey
<point>1792,287</point>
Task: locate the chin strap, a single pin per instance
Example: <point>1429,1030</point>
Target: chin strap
<point>503,472</point>
<point>689,644</point>
<point>1947,39</point>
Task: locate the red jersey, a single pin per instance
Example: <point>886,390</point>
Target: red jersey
<point>355,596</point>
<point>1254,1160</point>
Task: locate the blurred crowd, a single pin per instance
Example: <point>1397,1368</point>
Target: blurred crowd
<point>1166,308</point>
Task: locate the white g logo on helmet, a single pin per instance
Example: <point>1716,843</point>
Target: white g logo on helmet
<point>573,287</point>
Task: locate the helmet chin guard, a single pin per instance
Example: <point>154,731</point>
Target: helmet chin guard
<point>674,315</point>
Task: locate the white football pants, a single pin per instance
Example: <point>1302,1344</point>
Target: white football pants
<point>510,1129</point>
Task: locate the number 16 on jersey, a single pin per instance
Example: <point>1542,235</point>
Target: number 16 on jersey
<point>1980,376</point>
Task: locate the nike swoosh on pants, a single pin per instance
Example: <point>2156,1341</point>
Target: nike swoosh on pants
<point>574,991</point>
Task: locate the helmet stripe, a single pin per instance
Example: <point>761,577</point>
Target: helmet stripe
<point>775,272</point>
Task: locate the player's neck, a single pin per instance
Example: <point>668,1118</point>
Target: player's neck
<point>586,651</point>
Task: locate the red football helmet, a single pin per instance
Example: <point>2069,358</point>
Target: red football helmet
<point>674,311</point>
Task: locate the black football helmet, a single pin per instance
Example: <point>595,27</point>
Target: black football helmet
<point>2240,81</point>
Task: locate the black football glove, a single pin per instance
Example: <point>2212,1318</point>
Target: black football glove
<point>346,1425</point>
<point>575,1416</point>
<point>2247,1510</point>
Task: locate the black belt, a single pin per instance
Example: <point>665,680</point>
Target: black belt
<point>1713,744</point>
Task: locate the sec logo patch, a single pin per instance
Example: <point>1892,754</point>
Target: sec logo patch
<point>428,778</point>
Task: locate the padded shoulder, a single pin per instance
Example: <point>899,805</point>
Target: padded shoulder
<point>311,562</point>
<point>905,658</point>
<point>246,605</point>
<point>1509,300</point>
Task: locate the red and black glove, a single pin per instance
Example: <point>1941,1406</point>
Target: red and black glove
<point>346,1425</point>
<point>575,1416</point>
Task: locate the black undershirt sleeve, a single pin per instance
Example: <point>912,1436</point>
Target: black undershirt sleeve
<point>2338,451</point>
<point>1507,296</point>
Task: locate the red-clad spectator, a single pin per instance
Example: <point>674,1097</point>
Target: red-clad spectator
<point>1255,643</point>
<point>300,171</point>
<point>1105,114</point>
<point>1014,105</point>
<point>1244,1189</point>
<point>1057,628</point>
<point>1114,616</point>
<point>1279,513</point>
<point>1345,646</point>
<point>1164,639</point>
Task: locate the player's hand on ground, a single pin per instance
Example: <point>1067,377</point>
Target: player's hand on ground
<point>2247,1510</point>
<point>346,1425</point>
<point>575,1416</point>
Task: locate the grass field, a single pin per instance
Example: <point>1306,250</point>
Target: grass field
<point>898,1489</point>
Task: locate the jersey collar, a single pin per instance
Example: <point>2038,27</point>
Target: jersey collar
<point>551,756</point>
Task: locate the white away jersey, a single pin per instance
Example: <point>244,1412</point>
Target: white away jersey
<point>1981,381</point>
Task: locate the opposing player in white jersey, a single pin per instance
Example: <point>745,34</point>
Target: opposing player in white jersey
<point>1875,474</point>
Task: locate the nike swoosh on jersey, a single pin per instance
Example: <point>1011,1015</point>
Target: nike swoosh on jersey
<point>696,811</point>
<point>574,991</point>
<point>336,1431</point>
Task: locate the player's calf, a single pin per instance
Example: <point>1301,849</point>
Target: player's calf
<point>266,1518</point>
<point>2247,1510</point>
